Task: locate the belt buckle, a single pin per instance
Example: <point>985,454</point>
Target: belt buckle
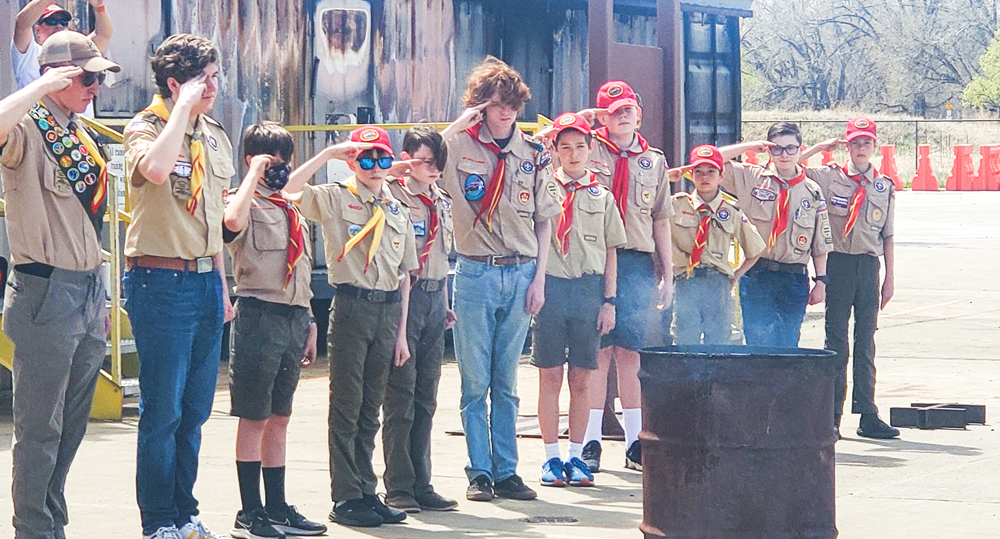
<point>493,260</point>
<point>376,296</point>
<point>203,264</point>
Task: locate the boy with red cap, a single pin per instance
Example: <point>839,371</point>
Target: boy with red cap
<point>703,228</point>
<point>582,270</point>
<point>637,176</point>
<point>370,250</point>
<point>862,206</point>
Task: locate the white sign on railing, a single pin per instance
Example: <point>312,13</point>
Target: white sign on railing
<point>116,168</point>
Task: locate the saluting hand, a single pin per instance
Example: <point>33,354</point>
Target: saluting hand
<point>399,168</point>
<point>346,151</point>
<point>594,115</point>
<point>677,174</point>
<point>829,145</point>
<point>259,164</point>
<point>58,78</point>
<point>761,146</point>
<point>191,91</point>
<point>472,116</point>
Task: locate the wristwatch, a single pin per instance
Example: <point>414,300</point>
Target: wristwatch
<point>610,300</point>
<point>822,279</point>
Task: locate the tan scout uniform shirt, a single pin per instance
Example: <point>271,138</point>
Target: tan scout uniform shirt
<point>46,223</point>
<point>342,215</point>
<point>875,221</point>
<point>648,190</point>
<point>808,230</point>
<point>529,194</point>
<point>436,267</point>
<point>727,222</point>
<point>161,224</point>
<point>260,256</point>
<point>597,226</point>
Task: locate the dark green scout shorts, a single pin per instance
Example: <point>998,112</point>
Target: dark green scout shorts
<point>268,341</point>
<point>568,321</point>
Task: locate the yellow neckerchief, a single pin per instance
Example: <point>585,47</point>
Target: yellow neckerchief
<point>376,223</point>
<point>159,108</point>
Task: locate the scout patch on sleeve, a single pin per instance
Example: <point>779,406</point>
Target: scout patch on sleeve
<point>552,189</point>
<point>136,125</point>
<point>545,160</point>
<point>763,195</point>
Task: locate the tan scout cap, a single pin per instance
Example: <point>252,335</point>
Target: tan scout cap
<point>77,49</point>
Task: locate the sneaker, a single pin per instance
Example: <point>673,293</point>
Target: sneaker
<point>872,426</point>
<point>633,457</point>
<point>402,501</point>
<point>290,521</point>
<point>592,455</point>
<point>480,489</point>
<point>514,488</point>
<point>357,513</point>
<point>553,473</point>
<point>432,501</point>
<point>254,525</point>
<point>386,513</point>
<point>196,529</point>
<point>166,532</point>
<point>578,473</point>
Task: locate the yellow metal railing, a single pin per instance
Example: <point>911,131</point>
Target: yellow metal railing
<point>540,123</point>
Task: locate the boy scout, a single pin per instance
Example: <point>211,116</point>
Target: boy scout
<point>273,333</point>
<point>581,285</point>
<point>637,176</point>
<point>370,250</point>
<point>789,211</point>
<point>862,206</point>
<point>55,185</point>
<point>411,394</point>
<point>178,161</point>
<point>508,197</point>
<point>703,228</point>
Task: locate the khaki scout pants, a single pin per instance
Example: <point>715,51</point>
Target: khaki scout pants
<point>361,342</point>
<point>57,326</point>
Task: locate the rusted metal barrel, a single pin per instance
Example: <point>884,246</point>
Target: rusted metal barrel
<point>738,442</point>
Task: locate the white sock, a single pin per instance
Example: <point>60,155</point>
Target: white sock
<point>551,451</point>
<point>633,424</point>
<point>575,450</point>
<point>594,425</point>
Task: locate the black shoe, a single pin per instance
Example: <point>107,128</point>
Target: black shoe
<point>254,525</point>
<point>357,513</point>
<point>633,457</point>
<point>288,520</point>
<point>592,455</point>
<point>514,488</point>
<point>432,501</point>
<point>402,501</point>
<point>388,514</point>
<point>872,426</point>
<point>480,489</point>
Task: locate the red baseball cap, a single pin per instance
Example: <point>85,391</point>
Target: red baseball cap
<point>706,154</point>
<point>571,120</point>
<point>614,95</point>
<point>374,135</point>
<point>52,10</point>
<point>861,127</point>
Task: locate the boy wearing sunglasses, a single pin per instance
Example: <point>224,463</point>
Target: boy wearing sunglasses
<point>790,213</point>
<point>370,252</point>
<point>36,22</point>
<point>411,394</point>
<point>502,230</point>
<point>55,185</point>
<point>862,207</point>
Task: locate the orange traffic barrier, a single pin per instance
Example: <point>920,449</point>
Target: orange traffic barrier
<point>962,171</point>
<point>827,156</point>
<point>992,182</point>
<point>924,179</point>
<point>888,168</point>
<point>751,158</point>
<point>984,175</point>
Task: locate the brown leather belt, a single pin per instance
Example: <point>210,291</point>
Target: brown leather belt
<point>204,264</point>
<point>430,285</point>
<point>509,260</point>
<point>783,267</point>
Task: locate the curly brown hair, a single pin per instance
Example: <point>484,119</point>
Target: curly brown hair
<point>494,77</point>
<point>183,57</point>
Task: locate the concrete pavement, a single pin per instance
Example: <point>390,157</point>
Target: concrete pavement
<point>937,342</point>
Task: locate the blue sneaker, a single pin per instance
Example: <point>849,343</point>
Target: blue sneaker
<point>578,473</point>
<point>553,473</point>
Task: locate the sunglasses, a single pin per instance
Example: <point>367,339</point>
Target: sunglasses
<point>368,163</point>
<point>88,78</point>
<point>791,149</point>
<point>56,22</point>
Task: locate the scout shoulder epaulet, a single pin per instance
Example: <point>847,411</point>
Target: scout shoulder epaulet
<point>729,198</point>
<point>814,188</point>
<point>211,120</point>
<point>443,193</point>
<point>656,150</point>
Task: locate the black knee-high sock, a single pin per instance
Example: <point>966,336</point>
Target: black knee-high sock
<point>249,476</point>
<point>274,488</point>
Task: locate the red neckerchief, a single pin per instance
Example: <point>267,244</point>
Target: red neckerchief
<point>781,210</point>
<point>296,241</point>
<point>566,217</point>
<point>495,187</point>
<point>619,182</point>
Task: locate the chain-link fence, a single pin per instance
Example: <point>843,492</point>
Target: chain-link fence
<point>941,135</point>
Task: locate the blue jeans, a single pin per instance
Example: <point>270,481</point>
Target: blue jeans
<point>177,322</point>
<point>489,336</point>
<point>774,304</point>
